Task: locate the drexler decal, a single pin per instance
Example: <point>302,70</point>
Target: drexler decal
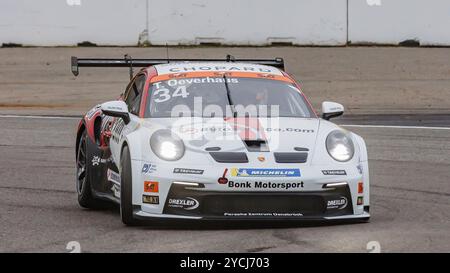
<point>340,203</point>
<point>246,172</point>
<point>187,171</point>
<point>334,172</point>
<point>187,203</point>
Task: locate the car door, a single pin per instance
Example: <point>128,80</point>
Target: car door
<point>132,97</point>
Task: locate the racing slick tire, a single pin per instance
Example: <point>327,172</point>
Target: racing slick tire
<point>83,182</point>
<point>126,189</point>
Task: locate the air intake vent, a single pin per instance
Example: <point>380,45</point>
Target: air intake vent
<point>256,145</point>
<point>229,157</point>
<point>290,157</point>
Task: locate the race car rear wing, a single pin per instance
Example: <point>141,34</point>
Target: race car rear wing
<point>127,61</point>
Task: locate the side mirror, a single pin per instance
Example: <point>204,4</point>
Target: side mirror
<point>116,108</point>
<point>331,109</point>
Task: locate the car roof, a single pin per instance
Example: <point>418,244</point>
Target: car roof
<point>183,67</point>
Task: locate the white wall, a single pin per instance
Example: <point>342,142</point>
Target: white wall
<point>235,22</point>
<point>395,21</point>
<point>121,22</point>
<point>54,22</point>
<point>248,22</point>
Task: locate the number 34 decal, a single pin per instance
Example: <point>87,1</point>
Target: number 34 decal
<point>163,94</point>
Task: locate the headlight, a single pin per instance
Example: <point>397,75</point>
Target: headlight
<point>340,146</point>
<point>166,145</point>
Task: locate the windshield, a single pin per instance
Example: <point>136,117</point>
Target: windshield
<point>212,97</point>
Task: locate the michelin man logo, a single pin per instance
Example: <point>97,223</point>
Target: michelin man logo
<point>73,247</point>
<point>242,172</point>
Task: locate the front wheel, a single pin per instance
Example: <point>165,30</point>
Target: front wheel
<point>126,189</point>
<point>85,197</point>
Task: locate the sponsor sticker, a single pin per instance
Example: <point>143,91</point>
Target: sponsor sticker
<point>187,171</point>
<point>266,185</point>
<point>150,199</point>
<point>245,172</point>
<point>360,201</point>
<point>223,179</point>
<point>187,203</point>
<point>294,130</point>
<point>151,186</point>
<point>116,130</point>
<point>360,187</point>
<point>113,176</point>
<point>116,190</point>
<point>91,113</point>
<point>334,172</point>
<point>96,160</point>
<point>262,214</point>
<point>359,168</point>
<point>340,203</point>
<point>228,68</point>
<point>148,168</point>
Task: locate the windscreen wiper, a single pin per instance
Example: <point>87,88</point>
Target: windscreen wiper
<point>229,96</point>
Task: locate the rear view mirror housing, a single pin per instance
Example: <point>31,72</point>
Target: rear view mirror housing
<point>116,108</point>
<point>331,109</point>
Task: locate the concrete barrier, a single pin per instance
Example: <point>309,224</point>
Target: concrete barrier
<point>66,22</point>
<point>116,22</point>
<point>231,22</point>
<point>248,22</point>
<point>396,21</point>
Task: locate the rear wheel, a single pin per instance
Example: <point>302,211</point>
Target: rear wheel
<point>85,197</point>
<point>126,189</point>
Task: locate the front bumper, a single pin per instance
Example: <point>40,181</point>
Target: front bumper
<point>185,202</point>
<point>142,215</point>
<point>308,198</point>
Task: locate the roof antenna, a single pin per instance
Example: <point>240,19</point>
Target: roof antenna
<point>167,53</point>
<point>128,59</point>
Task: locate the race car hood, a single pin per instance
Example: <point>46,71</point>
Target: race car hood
<point>242,134</point>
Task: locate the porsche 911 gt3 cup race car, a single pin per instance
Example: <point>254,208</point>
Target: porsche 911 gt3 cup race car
<point>218,140</point>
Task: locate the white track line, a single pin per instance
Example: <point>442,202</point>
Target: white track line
<point>344,125</point>
<point>37,117</point>
<point>395,127</point>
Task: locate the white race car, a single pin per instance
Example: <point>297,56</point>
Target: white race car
<point>218,140</point>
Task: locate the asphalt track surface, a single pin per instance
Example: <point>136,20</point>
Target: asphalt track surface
<point>409,158</point>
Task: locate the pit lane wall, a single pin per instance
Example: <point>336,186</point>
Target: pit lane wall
<point>231,22</point>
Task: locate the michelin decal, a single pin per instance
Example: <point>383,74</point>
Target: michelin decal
<point>247,172</point>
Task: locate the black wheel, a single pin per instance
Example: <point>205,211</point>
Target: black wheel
<point>85,197</point>
<point>126,189</point>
